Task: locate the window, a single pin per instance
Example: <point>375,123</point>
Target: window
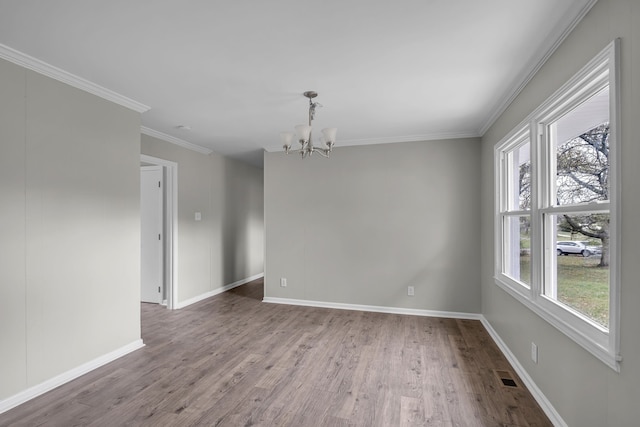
<point>515,222</point>
<point>556,214</point>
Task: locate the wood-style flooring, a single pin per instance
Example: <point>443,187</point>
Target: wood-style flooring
<point>232,360</point>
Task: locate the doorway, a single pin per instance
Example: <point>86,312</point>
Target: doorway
<point>159,242</point>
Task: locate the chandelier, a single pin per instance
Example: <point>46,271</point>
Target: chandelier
<point>303,134</point>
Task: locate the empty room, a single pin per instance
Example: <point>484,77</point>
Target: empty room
<point>331,213</point>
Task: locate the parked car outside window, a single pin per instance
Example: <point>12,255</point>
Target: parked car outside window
<point>577,248</point>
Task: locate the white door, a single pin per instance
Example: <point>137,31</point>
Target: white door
<point>151,253</point>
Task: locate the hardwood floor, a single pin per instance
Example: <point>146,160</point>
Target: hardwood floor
<point>232,360</point>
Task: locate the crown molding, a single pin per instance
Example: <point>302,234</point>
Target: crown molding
<point>41,67</point>
<point>173,140</point>
<point>408,138</point>
<point>571,19</point>
<point>396,139</point>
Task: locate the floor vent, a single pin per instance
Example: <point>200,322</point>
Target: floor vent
<point>506,378</point>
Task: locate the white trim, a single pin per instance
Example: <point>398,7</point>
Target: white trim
<point>538,395</point>
<point>50,384</point>
<point>410,138</point>
<point>41,67</point>
<point>551,44</point>
<point>615,87</point>
<point>569,328</point>
<point>604,67</point>
<point>395,139</point>
<point>215,292</point>
<point>173,140</point>
<point>171,232</point>
<point>374,308</point>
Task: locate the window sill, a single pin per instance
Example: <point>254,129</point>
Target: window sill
<point>587,342</point>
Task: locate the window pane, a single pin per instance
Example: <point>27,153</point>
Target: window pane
<point>517,248</point>
<point>519,178</point>
<point>580,274</point>
<point>582,152</point>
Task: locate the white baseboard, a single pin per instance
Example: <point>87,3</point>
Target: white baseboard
<point>185,303</point>
<point>542,400</point>
<point>37,390</point>
<point>72,374</point>
<point>374,308</point>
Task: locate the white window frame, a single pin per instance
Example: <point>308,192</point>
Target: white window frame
<point>603,343</point>
<point>519,137</point>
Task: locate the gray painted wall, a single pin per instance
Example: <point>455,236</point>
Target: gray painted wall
<point>227,245</point>
<point>583,390</point>
<point>69,205</point>
<point>371,221</point>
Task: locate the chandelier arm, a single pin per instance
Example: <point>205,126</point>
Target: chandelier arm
<point>322,152</point>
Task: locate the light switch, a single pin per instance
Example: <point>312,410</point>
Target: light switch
<point>198,216</point>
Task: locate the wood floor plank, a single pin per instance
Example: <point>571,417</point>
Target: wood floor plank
<point>232,360</point>
<point>411,412</point>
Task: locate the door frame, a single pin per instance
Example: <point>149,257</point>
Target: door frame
<point>171,226</point>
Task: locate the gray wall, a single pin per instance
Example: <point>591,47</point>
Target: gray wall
<point>227,245</point>
<point>362,226</point>
<point>69,206</point>
<point>583,390</point>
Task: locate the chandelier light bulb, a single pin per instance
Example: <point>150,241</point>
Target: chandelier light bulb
<point>303,132</point>
<point>329,135</point>
<point>286,138</point>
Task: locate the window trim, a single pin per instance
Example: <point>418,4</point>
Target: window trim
<point>603,344</point>
<point>516,138</point>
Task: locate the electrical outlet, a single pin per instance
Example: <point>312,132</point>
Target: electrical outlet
<point>283,282</point>
<point>534,353</point>
<point>410,291</point>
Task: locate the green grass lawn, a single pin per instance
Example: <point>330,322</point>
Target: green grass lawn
<point>582,285</point>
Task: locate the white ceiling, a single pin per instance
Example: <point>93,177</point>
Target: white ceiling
<point>234,71</point>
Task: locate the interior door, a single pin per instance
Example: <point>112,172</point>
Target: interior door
<point>151,247</point>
